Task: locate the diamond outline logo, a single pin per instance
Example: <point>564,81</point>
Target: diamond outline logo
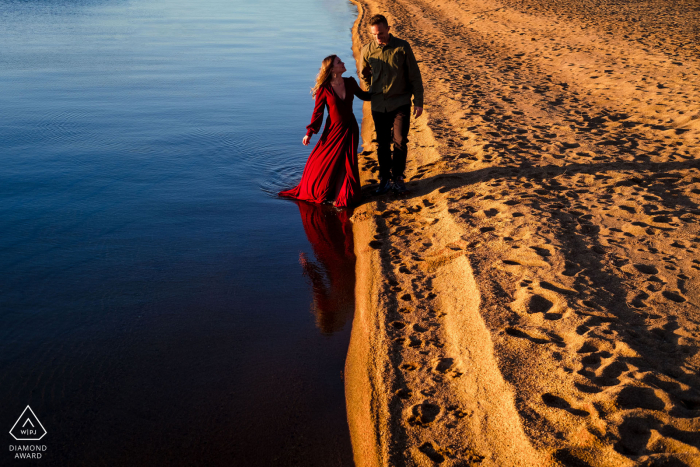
<point>28,419</point>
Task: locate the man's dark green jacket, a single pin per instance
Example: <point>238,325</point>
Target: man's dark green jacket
<point>391,73</point>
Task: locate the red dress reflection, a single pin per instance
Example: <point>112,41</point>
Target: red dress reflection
<point>331,172</point>
<point>332,275</point>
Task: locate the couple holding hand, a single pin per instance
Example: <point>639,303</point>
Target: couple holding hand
<point>391,75</point>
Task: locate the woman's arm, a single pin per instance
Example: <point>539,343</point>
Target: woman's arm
<point>355,88</point>
<point>317,117</point>
<point>366,74</point>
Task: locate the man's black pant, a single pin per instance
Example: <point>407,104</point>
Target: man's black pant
<point>392,126</point>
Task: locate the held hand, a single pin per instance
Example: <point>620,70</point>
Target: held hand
<point>306,140</point>
<point>417,112</point>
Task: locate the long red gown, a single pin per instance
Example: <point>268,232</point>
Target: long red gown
<point>331,172</point>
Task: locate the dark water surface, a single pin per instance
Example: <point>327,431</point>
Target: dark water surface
<point>159,306</point>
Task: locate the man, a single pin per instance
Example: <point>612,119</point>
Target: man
<point>390,72</point>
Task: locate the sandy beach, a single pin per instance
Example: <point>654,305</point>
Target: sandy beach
<point>534,299</point>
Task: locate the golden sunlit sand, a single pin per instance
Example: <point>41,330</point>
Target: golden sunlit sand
<point>534,299</point>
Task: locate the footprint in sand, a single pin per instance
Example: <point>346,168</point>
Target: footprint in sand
<point>538,304</point>
<point>413,341</point>
<point>432,453</point>
<point>673,296</point>
<point>419,328</point>
<point>523,335</point>
<point>550,305</point>
<point>635,397</point>
<point>587,388</point>
<point>609,375</point>
<point>423,414</point>
<point>646,268</point>
<point>442,365</point>
<point>560,403</point>
<point>587,348</point>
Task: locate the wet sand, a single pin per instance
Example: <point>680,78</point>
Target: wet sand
<point>534,299</point>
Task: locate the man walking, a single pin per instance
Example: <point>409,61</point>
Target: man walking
<point>390,72</point>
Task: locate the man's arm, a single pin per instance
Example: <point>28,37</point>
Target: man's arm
<point>414,78</point>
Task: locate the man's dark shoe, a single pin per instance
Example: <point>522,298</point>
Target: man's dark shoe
<point>384,186</point>
<point>400,187</point>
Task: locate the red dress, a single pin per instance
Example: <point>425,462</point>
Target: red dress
<point>331,172</point>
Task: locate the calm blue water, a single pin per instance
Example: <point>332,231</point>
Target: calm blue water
<point>154,306</point>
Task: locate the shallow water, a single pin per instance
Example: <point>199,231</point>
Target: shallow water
<point>159,305</point>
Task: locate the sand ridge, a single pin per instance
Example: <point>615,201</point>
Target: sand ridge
<point>534,299</point>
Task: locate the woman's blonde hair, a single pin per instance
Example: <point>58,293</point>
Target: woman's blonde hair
<point>324,74</point>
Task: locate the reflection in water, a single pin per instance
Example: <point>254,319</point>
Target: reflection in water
<point>154,313</point>
<point>332,275</point>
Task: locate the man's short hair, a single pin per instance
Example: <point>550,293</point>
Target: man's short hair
<point>378,19</point>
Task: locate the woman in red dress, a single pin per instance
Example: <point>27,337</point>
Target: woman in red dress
<point>331,173</point>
